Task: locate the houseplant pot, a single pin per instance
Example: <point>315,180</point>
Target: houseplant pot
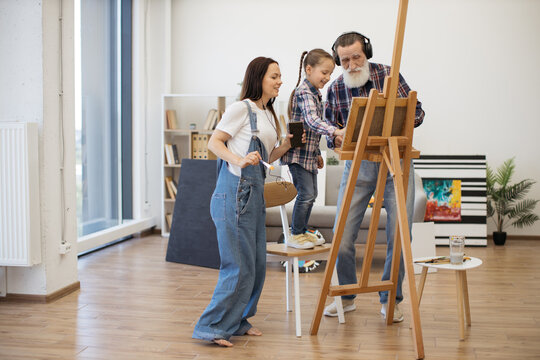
<point>505,201</point>
<point>499,237</point>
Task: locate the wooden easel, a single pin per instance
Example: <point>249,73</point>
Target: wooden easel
<point>379,128</point>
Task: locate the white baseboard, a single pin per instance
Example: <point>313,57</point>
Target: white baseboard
<point>106,236</point>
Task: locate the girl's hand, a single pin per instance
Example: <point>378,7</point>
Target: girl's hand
<point>287,139</point>
<point>251,158</point>
<point>320,162</point>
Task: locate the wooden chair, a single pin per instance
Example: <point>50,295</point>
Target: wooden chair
<point>279,194</point>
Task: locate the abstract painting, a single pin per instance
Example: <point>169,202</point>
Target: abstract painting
<point>444,200</point>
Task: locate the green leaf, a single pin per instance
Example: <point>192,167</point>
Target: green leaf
<point>526,220</point>
<point>490,209</point>
<point>517,191</point>
<point>505,172</point>
<point>506,202</point>
<point>490,180</point>
<point>522,208</point>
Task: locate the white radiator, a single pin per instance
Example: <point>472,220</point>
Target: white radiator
<point>20,240</point>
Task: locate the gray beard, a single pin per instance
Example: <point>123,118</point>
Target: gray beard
<point>357,79</point>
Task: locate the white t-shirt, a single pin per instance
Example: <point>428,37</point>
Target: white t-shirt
<point>235,122</point>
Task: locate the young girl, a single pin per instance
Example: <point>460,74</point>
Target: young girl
<point>305,105</point>
<point>247,134</point>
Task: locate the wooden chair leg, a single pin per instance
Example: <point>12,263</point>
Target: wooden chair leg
<point>465,288</point>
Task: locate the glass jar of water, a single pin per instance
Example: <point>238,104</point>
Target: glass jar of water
<point>457,246</point>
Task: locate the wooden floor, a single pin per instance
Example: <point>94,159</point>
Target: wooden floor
<point>135,305</point>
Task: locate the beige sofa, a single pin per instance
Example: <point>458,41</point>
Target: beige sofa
<point>323,217</point>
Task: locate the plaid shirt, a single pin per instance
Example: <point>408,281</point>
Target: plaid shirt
<point>307,107</point>
<point>339,97</point>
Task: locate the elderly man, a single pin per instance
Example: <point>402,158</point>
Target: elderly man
<point>352,51</point>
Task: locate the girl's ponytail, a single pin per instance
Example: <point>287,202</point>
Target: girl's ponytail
<point>289,108</point>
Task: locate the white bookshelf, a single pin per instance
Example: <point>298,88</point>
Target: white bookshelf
<point>189,109</point>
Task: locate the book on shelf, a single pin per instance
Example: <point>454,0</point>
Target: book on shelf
<point>194,146</point>
<point>175,154</point>
<point>169,185</point>
<point>174,187</point>
<point>217,118</point>
<point>169,154</point>
<point>172,122</point>
<point>211,119</point>
<point>199,143</point>
<point>168,217</point>
<point>197,151</point>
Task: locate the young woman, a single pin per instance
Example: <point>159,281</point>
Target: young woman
<point>247,135</point>
<point>305,105</point>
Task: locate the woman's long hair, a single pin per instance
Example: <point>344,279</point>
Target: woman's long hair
<point>252,85</point>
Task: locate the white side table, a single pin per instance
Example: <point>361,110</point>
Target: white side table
<point>462,290</point>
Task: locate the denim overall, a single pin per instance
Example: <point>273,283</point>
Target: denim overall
<point>238,211</point>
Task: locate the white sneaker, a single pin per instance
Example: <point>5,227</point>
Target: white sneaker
<point>315,237</point>
<point>398,315</point>
<point>300,241</point>
<point>348,305</point>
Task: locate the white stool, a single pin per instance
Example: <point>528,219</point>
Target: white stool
<point>281,252</point>
<point>462,290</point>
<point>279,194</point>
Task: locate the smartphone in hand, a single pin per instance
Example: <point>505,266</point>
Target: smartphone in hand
<point>296,128</point>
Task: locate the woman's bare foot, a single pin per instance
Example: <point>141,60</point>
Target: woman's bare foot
<point>223,342</point>
<point>253,331</point>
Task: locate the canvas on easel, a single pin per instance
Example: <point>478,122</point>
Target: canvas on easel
<point>398,129</point>
<point>357,112</point>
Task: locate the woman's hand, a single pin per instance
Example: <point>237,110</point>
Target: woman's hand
<point>339,132</point>
<point>287,141</point>
<point>338,140</point>
<point>320,162</point>
<point>251,158</point>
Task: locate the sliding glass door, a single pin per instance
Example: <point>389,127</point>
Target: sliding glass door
<point>104,191</point>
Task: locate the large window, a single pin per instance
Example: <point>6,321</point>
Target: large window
<point>104,187</point>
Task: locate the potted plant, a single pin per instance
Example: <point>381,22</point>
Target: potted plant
<point>505,201</point>
<point>332,161</point>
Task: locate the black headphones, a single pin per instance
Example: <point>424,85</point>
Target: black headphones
<point>366,45</point>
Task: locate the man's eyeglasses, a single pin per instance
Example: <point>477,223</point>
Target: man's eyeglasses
<point>346,60</point>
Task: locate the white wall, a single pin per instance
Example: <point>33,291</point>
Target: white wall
<point>473,63</point>
<point>151,79</point>
<point>21,88</point>
<point>29,43</point>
